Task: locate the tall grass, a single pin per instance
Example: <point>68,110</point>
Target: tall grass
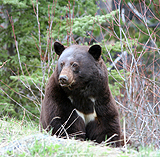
<point>22,138</point>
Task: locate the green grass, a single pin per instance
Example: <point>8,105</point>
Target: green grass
<point>20,138</point>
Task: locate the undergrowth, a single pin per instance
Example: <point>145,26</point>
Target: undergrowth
<point>19,138</point>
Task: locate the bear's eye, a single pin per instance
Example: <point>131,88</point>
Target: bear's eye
<point>74,65</point>
<point>62,64</point>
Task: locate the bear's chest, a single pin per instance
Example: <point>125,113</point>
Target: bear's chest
<point>85,108</point>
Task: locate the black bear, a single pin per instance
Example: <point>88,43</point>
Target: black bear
<point>78,102</point>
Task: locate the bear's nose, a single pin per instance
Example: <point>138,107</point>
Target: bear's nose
<point>63,80</point>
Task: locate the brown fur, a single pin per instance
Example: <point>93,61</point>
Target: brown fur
<point>77,96</point>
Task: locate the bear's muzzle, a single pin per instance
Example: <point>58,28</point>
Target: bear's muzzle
<point>66,78</point>
<point>63,80</point>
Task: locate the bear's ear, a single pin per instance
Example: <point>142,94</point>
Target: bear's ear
<point>59,48</point>
<point>95,51</point>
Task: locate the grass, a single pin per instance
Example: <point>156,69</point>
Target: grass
<point>20,138</point>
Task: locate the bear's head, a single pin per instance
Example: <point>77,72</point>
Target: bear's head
<point>77,65</point>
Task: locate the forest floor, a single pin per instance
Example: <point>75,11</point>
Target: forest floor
<point>19,138</point>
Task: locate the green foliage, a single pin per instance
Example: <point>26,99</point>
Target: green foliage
<point>22,85</point>
<point>7,107</point>
<point>148,151</point>
<point>116,47</point>
<point>35,78</point>
<point>24,77</point>
<point>115,84</point>
<point>79,26</point>
<point>43,149</point>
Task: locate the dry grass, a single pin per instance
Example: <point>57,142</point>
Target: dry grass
<point>24,139</point>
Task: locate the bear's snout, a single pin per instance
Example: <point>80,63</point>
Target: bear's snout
<point>66,77</point>
<point>63,80</point>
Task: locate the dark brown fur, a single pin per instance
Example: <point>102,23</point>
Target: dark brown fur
<point>85,90</point>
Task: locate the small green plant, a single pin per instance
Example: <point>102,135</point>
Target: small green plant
<point>41,149</point>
